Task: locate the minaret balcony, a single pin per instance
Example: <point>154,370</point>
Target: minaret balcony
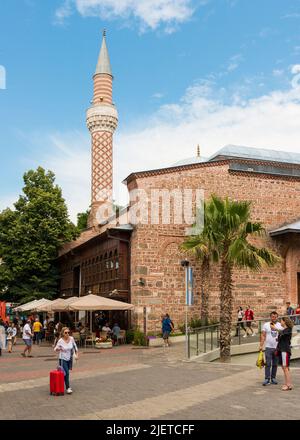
<point>102,118</point>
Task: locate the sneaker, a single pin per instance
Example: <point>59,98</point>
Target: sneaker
<point>253,334</point>
<point>266,382</point>
<point>245,336</point>
<point>274,382</point>
<point>69,391</point>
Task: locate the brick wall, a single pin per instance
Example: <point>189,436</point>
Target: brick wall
<point>155,254</point>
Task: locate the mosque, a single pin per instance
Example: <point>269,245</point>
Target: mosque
<point>139,262</point>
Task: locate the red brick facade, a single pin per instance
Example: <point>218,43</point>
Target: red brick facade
<point>155,253</point>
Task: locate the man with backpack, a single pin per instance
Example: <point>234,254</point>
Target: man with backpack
<point>167,327</point>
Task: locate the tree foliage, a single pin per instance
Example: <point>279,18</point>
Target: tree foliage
<point>82,220</point>
<point>30,236</point>
<point>225,240</point>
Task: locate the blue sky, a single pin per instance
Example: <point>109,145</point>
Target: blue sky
<point>211,72</point>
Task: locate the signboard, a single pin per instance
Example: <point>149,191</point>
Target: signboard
<point>3,310</point>
<point>189,286</point>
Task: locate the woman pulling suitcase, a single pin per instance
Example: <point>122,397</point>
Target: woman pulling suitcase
<point>67,348</point>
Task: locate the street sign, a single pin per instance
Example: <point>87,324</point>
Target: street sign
<point>189,286</point>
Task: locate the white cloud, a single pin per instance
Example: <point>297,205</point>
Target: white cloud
<point>149,13</point>
<point>292,15</point>
<point>205,115</point>
<point>157,95</point>
<point>278,72</point>
<point>234,62</point>
<point>64,11</point>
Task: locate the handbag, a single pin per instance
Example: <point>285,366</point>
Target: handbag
<point>74,355</point>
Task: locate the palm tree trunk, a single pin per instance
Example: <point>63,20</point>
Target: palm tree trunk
<point>225,309</point>
<point>205,268</point>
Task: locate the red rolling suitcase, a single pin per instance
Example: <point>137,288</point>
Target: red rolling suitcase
<point>57,383</point>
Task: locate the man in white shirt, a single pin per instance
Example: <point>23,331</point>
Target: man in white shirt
<point>269,339</point>
<point>27,338</point>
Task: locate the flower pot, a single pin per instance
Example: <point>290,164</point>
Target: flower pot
<point>103,345</point>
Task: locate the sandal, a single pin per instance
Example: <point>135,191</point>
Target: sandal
<point>286,388</point>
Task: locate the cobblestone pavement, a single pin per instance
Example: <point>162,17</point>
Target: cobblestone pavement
<point>127,383</point>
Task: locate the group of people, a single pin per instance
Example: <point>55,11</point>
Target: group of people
<point>245,317</point>
<point>102,326</point>
<point>276,337</point>
<point>8,335</point>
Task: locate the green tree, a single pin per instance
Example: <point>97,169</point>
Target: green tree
<point>201,246</point>
<point>228,230</point>
<point>82,220</point>
<point>30,236</point>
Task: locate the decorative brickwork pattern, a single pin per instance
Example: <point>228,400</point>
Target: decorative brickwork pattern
<point>102,166</point>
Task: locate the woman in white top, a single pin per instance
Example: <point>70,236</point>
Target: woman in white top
<point>66,346</point>
<point>240,324</point>
<point>2,336</point>
<point>11,334</point>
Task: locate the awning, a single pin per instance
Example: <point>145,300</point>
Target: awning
<point>58,305</point>
<point>287,229</point>
<point>95,302</point>
<point>19,308</point>
<point>32,305</point>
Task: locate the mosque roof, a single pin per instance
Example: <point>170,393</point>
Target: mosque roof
<point>292,227</point>
<point>262,154</point>
<point>190,160</point>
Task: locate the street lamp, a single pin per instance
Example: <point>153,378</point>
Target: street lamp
<point>185,263</point>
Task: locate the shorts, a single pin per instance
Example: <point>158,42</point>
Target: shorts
<point>28,342</point>
<point>166,334</point>
<point>248,323</point>
<point>284,358</point>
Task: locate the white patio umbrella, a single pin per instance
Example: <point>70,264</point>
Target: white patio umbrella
<point>30,306</point>
<point>19,308</point>
<point>94,302</point>
<point>50,306</point>
<point>40,304</point>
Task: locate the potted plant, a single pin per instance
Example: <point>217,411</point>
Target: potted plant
<point>139,340</point>
<point>103,343</point>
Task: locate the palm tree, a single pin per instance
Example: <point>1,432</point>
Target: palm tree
<point>200,246</point>
<point>232,227</point>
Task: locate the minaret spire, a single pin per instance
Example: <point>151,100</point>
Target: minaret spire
<point>103,65</point>
<point>102,120</point>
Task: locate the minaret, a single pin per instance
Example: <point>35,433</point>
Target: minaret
<point>102,120</point>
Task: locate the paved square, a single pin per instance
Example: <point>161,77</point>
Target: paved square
<point>127,383</point>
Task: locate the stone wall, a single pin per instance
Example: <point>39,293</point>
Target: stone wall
<point>155,253</point>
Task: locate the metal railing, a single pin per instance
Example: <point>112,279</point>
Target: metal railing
<point>207,338</point>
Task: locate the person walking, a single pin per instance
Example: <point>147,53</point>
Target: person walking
<point>167,327</point>
<point>37,331</point>
<point>269,340</point>
<point>115,332</point>
<point>240,324</point>
<point>27,338</point>
<point>249,317</point>
<point>11,334</point>
<point>284,349</point>
<point>66,347</point>
<point>289,309</point>
<point>2,336</point>
<point>57,332</point>
<point>297,312</point>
